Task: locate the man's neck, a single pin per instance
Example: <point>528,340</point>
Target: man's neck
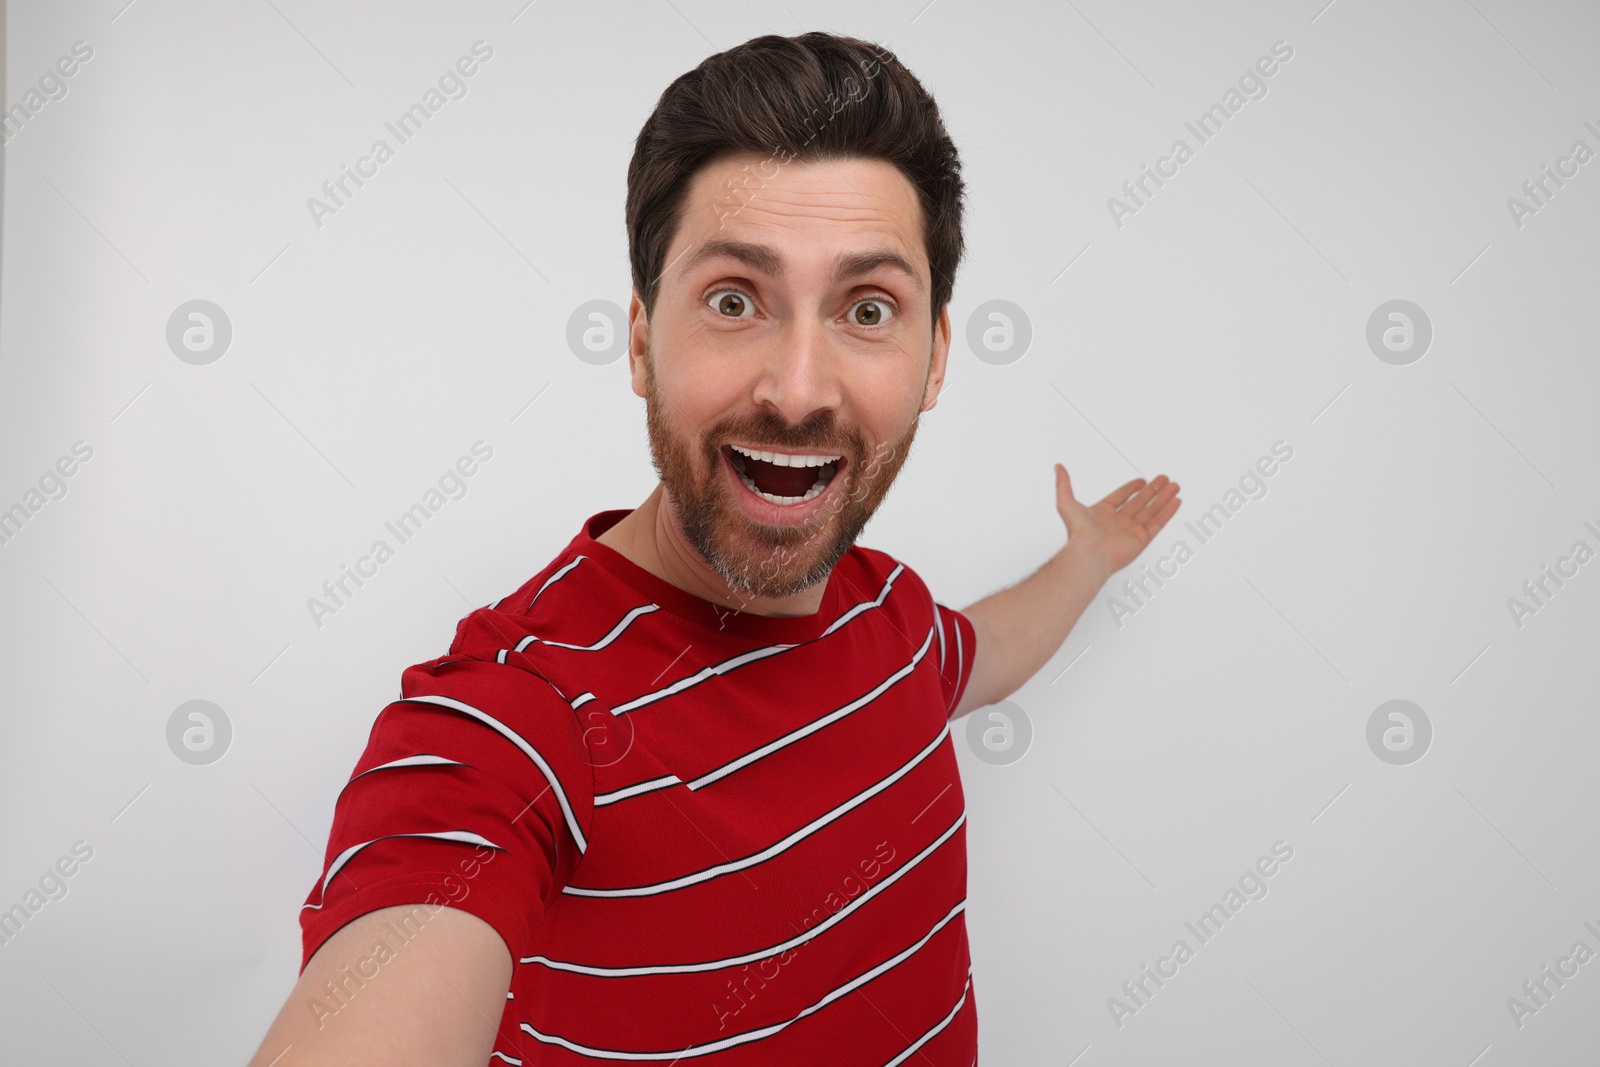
<point>649,537</point>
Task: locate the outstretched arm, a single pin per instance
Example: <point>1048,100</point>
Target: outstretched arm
<point>1019,628</point>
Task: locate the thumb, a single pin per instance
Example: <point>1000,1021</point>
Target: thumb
<point>1064,497</point>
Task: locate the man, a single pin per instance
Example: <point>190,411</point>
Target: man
<point>689,794</point>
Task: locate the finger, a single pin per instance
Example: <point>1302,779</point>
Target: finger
<point>1154,504</point>
<point>1071,511</point>
<point>1137,502</point>
<point>1120,494</point>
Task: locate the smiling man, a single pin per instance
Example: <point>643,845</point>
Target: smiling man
<point>689,794</point>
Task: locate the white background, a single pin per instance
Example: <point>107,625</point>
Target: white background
<point>1227,314</point>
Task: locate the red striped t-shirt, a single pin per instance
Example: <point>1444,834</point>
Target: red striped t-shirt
<point>706,836</point>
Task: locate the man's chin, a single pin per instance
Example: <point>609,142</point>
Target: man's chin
<point>771,562</point>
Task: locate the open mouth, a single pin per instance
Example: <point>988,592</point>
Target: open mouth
<point>783,478</point>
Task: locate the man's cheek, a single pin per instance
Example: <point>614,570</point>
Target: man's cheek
<point>872,469</point>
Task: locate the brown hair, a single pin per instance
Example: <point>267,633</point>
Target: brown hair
<point>813,97</point>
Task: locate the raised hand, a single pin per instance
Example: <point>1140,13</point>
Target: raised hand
<point>1118,528</point>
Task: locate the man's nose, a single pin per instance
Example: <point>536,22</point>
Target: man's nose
<point>801,370</point>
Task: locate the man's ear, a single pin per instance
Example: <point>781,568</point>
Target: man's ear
<point>938,360</point>
<point>638,342</point>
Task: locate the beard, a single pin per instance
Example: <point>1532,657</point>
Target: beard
<point>755,559</point>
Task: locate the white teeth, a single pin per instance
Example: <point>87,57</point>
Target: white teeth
<point>785,459</point>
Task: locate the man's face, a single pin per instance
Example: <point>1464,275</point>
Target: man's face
<point>791,350</point>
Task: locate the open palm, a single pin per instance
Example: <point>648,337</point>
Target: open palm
<point>1119,527</point>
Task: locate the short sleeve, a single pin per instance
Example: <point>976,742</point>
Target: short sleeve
<point>956,641</point>
<point>475,791</point>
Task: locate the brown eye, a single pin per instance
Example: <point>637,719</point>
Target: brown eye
<point>731,303</point>
<point>871,312</point>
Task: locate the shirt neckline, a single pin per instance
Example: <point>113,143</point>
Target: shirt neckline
<point>774,628</point>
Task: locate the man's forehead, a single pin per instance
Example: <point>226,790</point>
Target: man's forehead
<point>751,208</point>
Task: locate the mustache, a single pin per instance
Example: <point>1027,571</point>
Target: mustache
<point>769,429</point>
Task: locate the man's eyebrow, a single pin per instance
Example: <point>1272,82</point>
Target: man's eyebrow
<point>764,259</point>
<point>855,264</point>
<point>756,257</point>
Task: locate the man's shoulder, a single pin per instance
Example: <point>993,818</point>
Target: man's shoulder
<point>561,596</point>
<point>568,569</point>
<point>566,590</point>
